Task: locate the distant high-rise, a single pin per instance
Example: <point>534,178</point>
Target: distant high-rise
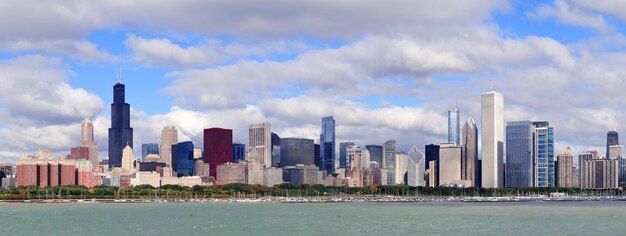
<point>520,148</point>
<point>327,145</point>
<point>544,154</point>
<point>615,151</point>
<point>127,159</point>
<point>218,147</point>
<point>450,164</point>
<point>149,148</point>
<point>120,133</point>
<point>416,167</point>
<point>182,159</point>
<point>565,167</point>
<point>432,154</point>
<point>87,140</point>
<point>376,153</point>
<point>342,153</point>
<point>275,149</point>
<point>389,161</point>
<point>260,137</point>
<point>492,139</point>
<point>454,126</point>
<point>469,162</point>
<point>612,138</point>
<point>169,137</point>
<point>295,151</point>
<point>239,152</point>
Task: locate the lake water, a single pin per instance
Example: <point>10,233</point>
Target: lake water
<point>540,218</point>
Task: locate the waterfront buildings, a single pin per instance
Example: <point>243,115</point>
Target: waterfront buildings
<point>272,176</point>
<point>401,165</point>
<point>565,169</point>
<point>201,169</point>
<point>79,153</point>
<point>600,173</point>
<point>297,151</point>
<point>327,145</point>
<point>469,161</point>
<point>149,148</point>
<point>260,137</point>
<point>228,173</point>
<point>218,147</point>
<point>416,167</point>
<point>492,120</point>
<point>169,137</point>
<point>454,126</point>
<point>389,161</point>
<point>120,133</point>
<point>432,154</point>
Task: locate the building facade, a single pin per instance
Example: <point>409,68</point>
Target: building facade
<point>297,151</point>
<point>454,126</point>
<point>169,137</point>
<point>469,161</point>
<point>416,167</point>
<point>544,154</point>
<point>239,152</point>
<point>327,145</point>
<point>492,139</point>
<point>612,138</point>
<point>260,137</point>
<point>520,154</point>
<point>182,157</point>
<point>565,167</point>
<point>218,147</point>
<point>342,153</point>
<point>149,148</point>
<point>376,153</point>
<point>389,161</point>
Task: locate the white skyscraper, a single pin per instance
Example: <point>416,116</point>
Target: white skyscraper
<point>416,167</point>
<point>260,137</point>
<point>492,139</point>
<point>401,166</point>
<point>87,140</point>
<point>127,159</point>
<point>169,137</point>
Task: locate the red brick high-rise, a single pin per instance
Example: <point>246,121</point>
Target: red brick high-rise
<point>218,147</point>
<point>80,153</point>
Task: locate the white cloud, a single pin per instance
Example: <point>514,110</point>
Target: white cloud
<point>615,8</point>
<point>568,14</point>
<point>83,50</point>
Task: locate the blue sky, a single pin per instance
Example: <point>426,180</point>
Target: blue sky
<point>386,72</point>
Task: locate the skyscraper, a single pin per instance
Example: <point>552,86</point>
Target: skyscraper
<point>275,149</point>
<point>260,138</point>
<point>469,162</point>
<point>492,120</point>
<point>149,148</point>
<point>169,137</point>
<point>565,163</point>
<point>127,159</point>
<point>239,152</point>
<point>342,153</point>
<point>87,140</point>
<point>454,125</point>
<point>432,154</point>
<point>218,147</point>
<point>182,159</point>
<point>544,154</point>
<point>612,138</point>
<point>376,153</point>
<point>416,167</point>
<point>120,133</point>
<point>520,158</point>
<point>295,151</point>
<point>327,145</point>
<point>389,161</point>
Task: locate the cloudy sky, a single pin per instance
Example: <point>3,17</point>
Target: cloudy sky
<point>385,70</point>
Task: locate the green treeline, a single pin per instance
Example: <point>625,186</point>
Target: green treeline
<point>282,190</point>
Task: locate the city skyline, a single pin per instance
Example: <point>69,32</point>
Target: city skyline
<point>235,75</point>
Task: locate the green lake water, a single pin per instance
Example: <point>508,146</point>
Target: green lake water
<point>540,218</point>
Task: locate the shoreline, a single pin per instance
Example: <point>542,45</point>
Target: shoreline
<point>324,200</point>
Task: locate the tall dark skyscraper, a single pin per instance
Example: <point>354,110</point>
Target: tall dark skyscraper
<point>432,154</point>
<point>218,147</point>
<point>327,142</point>
<point>120,133</point>
<point>611,139</point>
